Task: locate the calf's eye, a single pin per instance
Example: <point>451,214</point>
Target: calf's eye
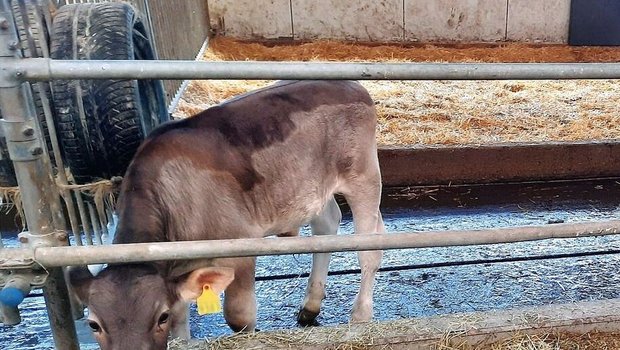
<point>94,326</point>
<point>163,319</point>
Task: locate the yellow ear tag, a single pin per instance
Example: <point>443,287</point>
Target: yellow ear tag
<point>208,302</point>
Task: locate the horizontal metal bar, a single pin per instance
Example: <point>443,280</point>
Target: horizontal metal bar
<point>36,69</point>
<point>136,252</point>
<point>440,264</point>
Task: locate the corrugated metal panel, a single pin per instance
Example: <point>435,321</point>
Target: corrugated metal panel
<point>180,28</point>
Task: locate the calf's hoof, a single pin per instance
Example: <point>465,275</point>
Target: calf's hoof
<point>362,313</point>
<point>242,329</point>
<point>306,318</point>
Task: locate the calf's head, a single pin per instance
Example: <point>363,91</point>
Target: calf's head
<point>130,305</point>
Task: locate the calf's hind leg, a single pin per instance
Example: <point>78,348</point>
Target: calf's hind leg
<point>326,223</point>
<point>364,196</point>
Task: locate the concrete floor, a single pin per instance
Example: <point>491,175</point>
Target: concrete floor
<point>417,290</point>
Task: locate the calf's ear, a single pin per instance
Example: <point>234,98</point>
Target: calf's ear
<point>218,278</point>
<point>80,279</point>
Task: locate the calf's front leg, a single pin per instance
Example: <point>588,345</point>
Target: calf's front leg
<point>240,296</point>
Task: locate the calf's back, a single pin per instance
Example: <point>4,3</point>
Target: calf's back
<point>260,164</point>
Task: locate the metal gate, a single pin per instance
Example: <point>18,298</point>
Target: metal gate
<point>38,262</point>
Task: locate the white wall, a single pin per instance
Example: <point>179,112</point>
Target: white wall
<point>394,20</point>
<point>455,20</point>
<point>544,20</point>
<point>348,19</point>
<point>252,18</point>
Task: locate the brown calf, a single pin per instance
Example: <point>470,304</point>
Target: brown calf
<point>261,164</point>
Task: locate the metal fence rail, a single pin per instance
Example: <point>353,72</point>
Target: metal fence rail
<point>137,252</point>
<point>41,69</point>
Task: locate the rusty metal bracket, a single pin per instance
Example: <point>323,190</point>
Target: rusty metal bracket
<point>52,239</point>
<point>19,131</point>
<point>11,48</point>
<point>25,269</point>
<point>9,75</point>
<point>22,142</point>
<point>17,278</point>
<point>9,40</point>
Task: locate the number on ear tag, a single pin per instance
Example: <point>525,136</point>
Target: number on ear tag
<point>208,302</point>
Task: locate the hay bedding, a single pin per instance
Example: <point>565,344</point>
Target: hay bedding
<point>513,330</point>
<point>449,112</point>
<point>297,339</point>
<point>462,332</point>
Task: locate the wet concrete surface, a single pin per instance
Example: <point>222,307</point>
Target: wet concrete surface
<point>415,289</point>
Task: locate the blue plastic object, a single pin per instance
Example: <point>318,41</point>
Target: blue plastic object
<point>11,296</point>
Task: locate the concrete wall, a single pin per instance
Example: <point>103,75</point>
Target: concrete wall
<point>394,20</point>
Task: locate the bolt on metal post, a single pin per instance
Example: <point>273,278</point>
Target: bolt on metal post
<point>40,198</point>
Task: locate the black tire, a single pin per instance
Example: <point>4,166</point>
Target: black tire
<point>7,171</point>
<point>117,114</point>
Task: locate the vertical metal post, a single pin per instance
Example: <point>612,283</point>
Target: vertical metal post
<point>83,217</point>
<point>39,195</point>
<point>95,222</point>
<point>45,103</point>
